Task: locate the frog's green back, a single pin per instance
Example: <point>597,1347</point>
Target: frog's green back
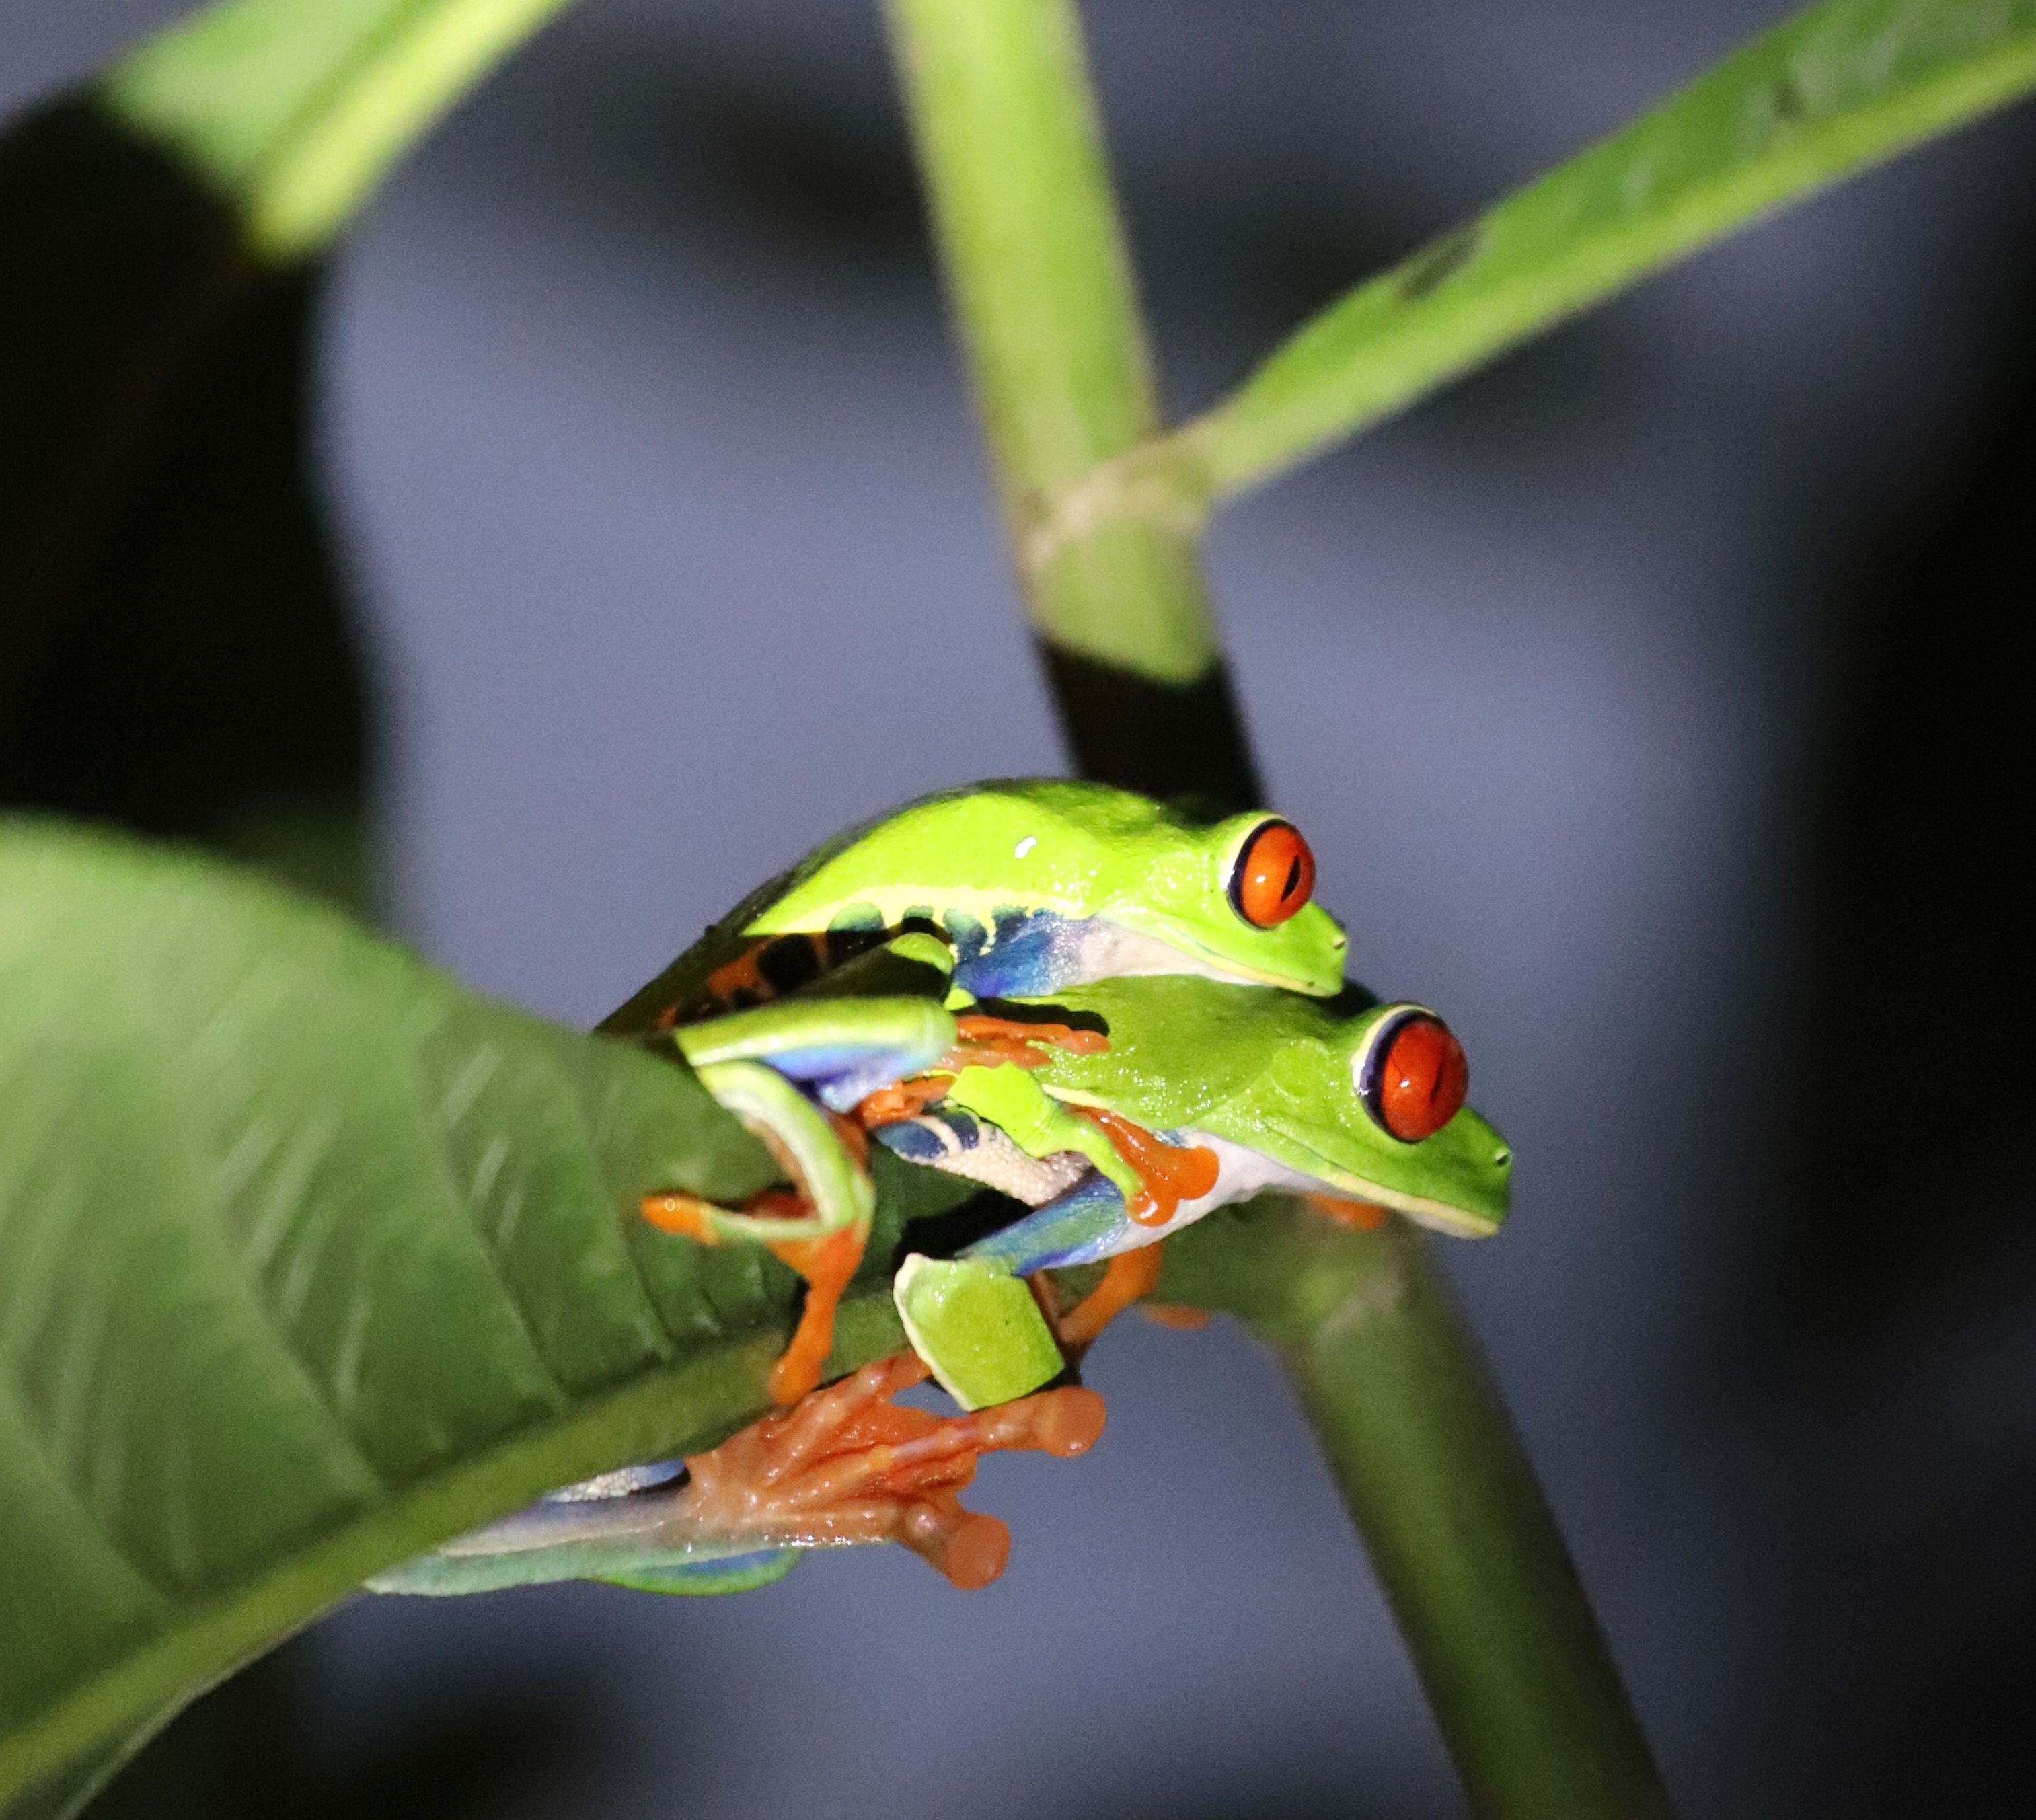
<point>1080,851</point>
<point>1280,1074</point>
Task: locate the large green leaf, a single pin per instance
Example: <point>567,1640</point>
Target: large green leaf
<point>310,1259</point>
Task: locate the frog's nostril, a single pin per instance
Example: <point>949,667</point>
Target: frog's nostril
<point>1502,1158</point>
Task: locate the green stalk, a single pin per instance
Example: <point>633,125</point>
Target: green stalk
<point>1524,1690</point>
<point>1525,1693</point>
<point>1012,158</point>
<point>1840,86</point>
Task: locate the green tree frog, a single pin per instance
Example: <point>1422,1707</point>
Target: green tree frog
<point>1032,884</point>
<point>1207,1094</point>
<point>1356,1102</point>
<point>855,969</point>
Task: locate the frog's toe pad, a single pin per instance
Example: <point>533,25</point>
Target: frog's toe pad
<point>965,1547</point>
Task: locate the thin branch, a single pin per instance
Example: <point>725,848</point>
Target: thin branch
<point>1529,1700</point>
<point>1502,1635</point>
<point>1016,181</point>
<point>1838,87</point>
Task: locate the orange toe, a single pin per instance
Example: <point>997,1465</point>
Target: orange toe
<point>1169,1173</point>
<point>1128,1277</point>
<point>1358,1216</point>
<point>682,1213</point>
<point>988,1040</point>
<point>848,1464</point>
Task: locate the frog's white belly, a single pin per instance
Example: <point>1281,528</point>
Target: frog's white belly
<point>1241,1173</point>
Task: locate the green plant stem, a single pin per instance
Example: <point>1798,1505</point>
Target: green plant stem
<point>1837,89</point>
<point>1529,1700</point>
<point>998,95</point>
<point>1463,1542</point>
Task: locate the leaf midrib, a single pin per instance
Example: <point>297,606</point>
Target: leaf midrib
<point>718,1390</point>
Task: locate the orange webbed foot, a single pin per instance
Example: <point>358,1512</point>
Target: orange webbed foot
<point>1169,1172</point>
<point>983,1042</point>
<point>901,1100</point>
<point>848,1465</point>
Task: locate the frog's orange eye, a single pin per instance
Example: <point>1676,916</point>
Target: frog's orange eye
<point>1417,1077</point>
<point>1274,876</point>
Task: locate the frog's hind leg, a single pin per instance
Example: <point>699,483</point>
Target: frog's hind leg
<point>848,1465</point>
<point>1129,1276</point>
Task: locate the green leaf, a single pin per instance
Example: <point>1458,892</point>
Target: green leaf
<point>296,108</point>
<point>1838,88</point>
<point>310,1259</point>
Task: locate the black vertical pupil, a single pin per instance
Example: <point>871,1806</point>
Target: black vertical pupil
<point>1293,881</point>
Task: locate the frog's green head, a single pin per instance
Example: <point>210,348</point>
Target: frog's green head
<point>1102,882</point>
<point>1378,1106</point>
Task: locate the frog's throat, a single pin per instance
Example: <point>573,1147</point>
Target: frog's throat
<point>1107,950</point>
<point>1244,1172</point>
<point>1311,1172</point>
<point>1027,956</point>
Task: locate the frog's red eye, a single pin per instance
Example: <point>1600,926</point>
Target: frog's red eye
<point>1274,876</point>
<point>1417,1077</point>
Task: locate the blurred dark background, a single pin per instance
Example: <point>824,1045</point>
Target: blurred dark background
<point>1655,702</point>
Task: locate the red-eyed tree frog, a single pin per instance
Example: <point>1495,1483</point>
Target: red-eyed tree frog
<point>1032,884</point>
<point>1207,1093</point>
<point>1357,1104</point>
<point>857,968</point>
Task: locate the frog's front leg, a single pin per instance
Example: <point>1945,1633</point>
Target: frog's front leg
<point>1090,1223</point>
<point>847,1050</point>
<point>760,1064</point>
<point>819,1230</point>
<point>972,1317</point>
<point>1155,1178</point>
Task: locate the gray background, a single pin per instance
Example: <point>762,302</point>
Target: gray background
<point>653,462</point>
